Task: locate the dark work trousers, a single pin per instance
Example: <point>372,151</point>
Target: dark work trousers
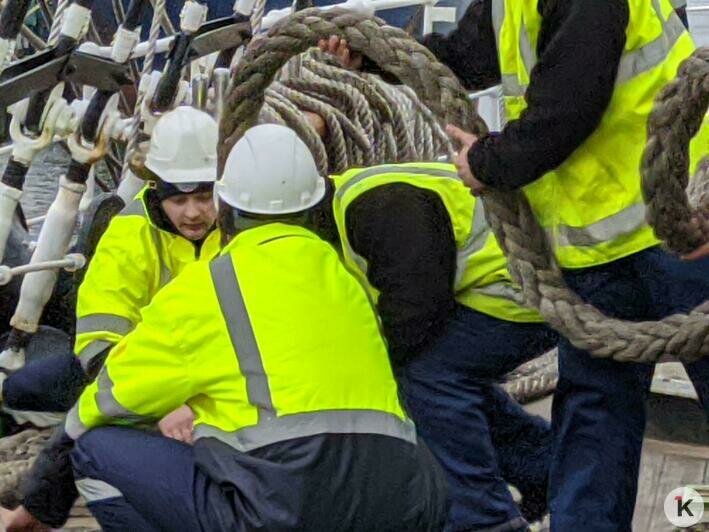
<point>598,416</point>
<point>472,427</point>
<point>135,480</point>
<point>50,384</point>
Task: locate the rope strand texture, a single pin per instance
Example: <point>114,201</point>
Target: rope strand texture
<point>678,219</point>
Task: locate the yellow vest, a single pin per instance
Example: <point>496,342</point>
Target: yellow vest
<point>133,260</point>
<point>482,280</point>
<point>591,205</point>
<point>273,340</point>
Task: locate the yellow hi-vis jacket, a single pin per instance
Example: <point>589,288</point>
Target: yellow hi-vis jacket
<point>273,340</point>
<point>482,279</point>
<point>591,205</point>
<point>133,260</point>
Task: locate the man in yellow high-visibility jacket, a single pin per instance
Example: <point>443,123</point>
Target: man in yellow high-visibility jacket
<point>276,348</point>
<point>579,79</point>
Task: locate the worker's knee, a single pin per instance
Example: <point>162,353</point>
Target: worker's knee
<point>96,447</point>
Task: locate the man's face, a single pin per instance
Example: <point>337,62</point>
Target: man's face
<point>191,214</point>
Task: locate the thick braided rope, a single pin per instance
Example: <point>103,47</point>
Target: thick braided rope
<point>134,132</point>
<point>677,116</point>
<point>528,389</point>
<point>348,101</point>
<point>351,103</point>
<point>364,102</point>
<point>57,22</point>
<point>257,16</point>
<point>16,456</point>
<point>393,105</point>
<point>534,379</point>
<point>698,189</point>
<point>295,34</point>
<point>531,262</point>
<point>293,119</point>
<point>348,144</point>
<point>338,154</point>
<point>366,98</point>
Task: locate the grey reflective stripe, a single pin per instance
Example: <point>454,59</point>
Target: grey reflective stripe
<point>379,170</point>
<point>502,290</point>
<point>529,54</point>
<point>622,223</point>
<point>510,82</point>
<point>241,334</point>
<point>88,353</point>
<point>475,242</point>
<point>103,322</point>
<point>390,169</point>
<point>94,490</point>
<point>511,86</point>
<point>165,274</point>
<point>73,425</point>
<point>134,208</point>
<point>357,258</point>
<point>311,424</point>
<point>107,403</point>
<point>631,64</point>
<point>653,53</point>
<point>498,19</point>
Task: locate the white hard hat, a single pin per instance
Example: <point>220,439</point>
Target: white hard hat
<point>183,147</point>
<point>270,171</point>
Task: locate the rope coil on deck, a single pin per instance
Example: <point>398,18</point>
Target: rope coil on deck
<point>17,454</point>
<point>531,261</point>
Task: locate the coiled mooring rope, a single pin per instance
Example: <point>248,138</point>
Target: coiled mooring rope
<point>17,453</point>
<point>531,261</point>
<point>368,121</point>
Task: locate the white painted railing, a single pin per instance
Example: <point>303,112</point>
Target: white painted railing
<point>431,15</point>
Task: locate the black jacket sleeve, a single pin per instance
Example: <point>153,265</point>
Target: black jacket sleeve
<point>579,49</point>
<point>405,235</point>
<point>49,490</point>
<point>470,50</point>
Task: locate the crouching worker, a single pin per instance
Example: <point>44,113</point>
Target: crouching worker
<point>169,225</point>
<point>276,348</point>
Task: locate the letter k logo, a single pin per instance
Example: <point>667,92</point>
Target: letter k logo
<point>681,508</point>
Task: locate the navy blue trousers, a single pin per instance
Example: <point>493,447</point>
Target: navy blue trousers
<point>598,416</point>
<point>135,480</point>
<point>50,384</point>
<point>479,435</point>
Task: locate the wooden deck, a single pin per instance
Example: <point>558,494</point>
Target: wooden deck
<point>675,453</point>
<point>664,467</point>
